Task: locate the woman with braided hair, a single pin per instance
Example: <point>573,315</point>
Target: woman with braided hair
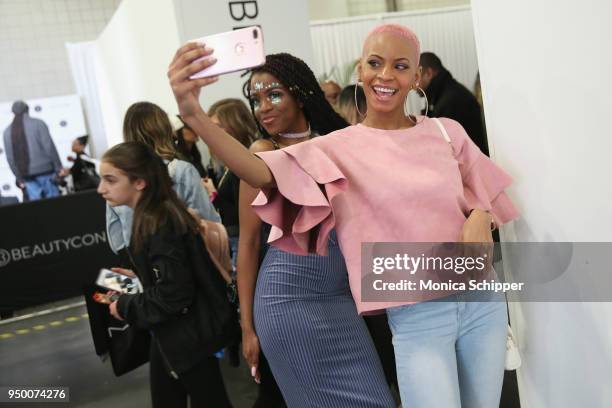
<point>299,308</point>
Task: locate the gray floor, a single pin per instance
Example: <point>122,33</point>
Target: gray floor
<point>56,350</point>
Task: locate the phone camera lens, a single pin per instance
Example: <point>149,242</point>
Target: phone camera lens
<point>255,34</point>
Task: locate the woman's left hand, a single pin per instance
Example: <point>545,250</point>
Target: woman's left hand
<point>114,312</point>
<point>477,228</point>
<point>477,231</point>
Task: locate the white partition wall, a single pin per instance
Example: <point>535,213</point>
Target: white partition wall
<point>448,32</point>
<point>134,52</point>
<point>536,60</point>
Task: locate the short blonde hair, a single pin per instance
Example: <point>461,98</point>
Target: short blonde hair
<point>401,31</point>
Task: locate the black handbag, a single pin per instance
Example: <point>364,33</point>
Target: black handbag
<point>218,317</point>
<point>126,346</point>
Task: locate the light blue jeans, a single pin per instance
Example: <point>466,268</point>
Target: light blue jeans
<point>450,352</point>
<point>41,187</point>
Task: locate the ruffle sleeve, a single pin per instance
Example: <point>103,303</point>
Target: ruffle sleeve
<point>484,183</point>
<point>299,207</point>
<point>484,187</point>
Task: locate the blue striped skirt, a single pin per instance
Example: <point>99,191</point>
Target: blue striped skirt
<point>318,347</point>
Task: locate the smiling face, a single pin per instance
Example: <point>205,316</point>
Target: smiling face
<point>388,71</point>
<point>117,188</point>
<point>275,108</point>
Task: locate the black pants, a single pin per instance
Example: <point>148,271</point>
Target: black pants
<point>269,395</point>
<point>383,341</point>
<point>203,383</point>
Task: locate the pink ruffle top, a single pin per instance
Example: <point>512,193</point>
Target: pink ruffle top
<point>375,185</point>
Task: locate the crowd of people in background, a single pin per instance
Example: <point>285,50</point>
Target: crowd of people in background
<point>33,158</point>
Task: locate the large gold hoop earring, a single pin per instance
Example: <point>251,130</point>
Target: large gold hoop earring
<point>359,83</point>
<point>406,105</point>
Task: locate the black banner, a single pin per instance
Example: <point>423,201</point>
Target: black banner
<point>50,249</point>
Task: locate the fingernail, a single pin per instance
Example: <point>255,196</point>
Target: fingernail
<point>258,381</point>
<point>253,371</point>
<point>208,49</point>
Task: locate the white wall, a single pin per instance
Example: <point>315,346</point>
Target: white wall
<point>134,52</point>
<point>324,9</point>
<point>448,32</point>
<point>429,4</point>
<point>32,37</point>
<point>536,60</point>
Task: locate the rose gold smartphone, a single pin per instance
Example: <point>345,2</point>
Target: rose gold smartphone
<point>235,50</point>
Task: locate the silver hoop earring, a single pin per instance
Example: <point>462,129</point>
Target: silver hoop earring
<point>359,83</point>
<point>407,112</point>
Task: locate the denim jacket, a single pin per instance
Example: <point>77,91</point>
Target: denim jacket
<point>189,188</point>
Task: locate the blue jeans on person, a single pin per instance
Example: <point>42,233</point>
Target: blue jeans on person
<point>41,186</point>
<point>450,352</point>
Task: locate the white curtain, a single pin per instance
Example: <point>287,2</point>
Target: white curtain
<point>447,32</point>
<point>83,64</point>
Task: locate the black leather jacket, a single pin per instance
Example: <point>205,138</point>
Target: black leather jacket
<point>449,99</point>
<point>184,303</point>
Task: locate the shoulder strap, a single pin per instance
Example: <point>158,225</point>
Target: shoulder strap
<point>444,133</point>
<point>216,239</point>
<point>442,129</point>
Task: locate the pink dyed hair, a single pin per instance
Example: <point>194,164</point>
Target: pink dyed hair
<point>400,30</point>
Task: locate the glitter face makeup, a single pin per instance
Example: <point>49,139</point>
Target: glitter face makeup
<point>260,86</point>
<point>275,98</point>
<point>272,96</point>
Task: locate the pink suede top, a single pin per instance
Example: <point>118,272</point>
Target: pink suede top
<point>374,185</point>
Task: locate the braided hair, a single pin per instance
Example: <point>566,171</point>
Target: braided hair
<point>19,140</point>
<point>299,79</point>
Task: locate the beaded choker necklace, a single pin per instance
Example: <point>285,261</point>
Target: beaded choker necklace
<point>296,135</point>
